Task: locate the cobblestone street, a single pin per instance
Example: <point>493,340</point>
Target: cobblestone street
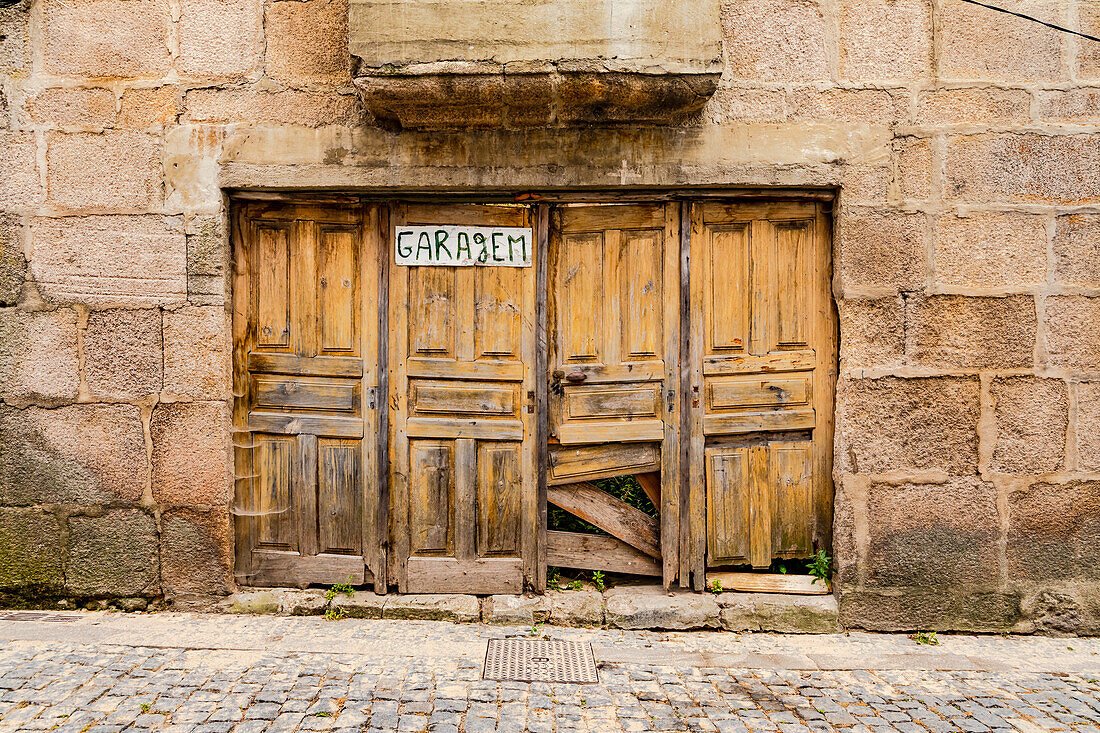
<point>182,672</point>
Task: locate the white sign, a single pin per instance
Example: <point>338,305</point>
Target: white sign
<point>457,246</point>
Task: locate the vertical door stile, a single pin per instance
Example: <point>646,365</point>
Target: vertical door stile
<point>672,494</point>
<point>541,376</point>
<point>698,268</point>
<point>398,406</point>
<point>825,326</point>
<point>373,349</point>
<point>243,531</point>
<point>381,515</point>
<point>532,533</point>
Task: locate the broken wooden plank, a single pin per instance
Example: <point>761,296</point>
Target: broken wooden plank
<point>612,515</point>
<point>591,462</point>
<point>770,583</point>
<point>597,552</point>
<point>651,485</point>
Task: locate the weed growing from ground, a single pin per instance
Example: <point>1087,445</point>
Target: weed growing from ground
<point>819,567</point>
<point>925,637</point>
<point>346,588</point>
<point>598,581</point>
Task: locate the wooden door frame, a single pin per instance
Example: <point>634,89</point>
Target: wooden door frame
<point>690,545</point>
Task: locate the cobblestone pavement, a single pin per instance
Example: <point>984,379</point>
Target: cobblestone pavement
<point>177,672</point>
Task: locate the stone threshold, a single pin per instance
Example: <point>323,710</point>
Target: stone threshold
<point>628,607</point>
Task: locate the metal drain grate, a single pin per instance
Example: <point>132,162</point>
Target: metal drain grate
<point>46,616</point>
<point>537,660</point>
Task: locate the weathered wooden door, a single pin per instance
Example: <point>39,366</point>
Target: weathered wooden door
<point>614,315</point>
<point>306,377</point>
<point>462,344</point>
<point>761,378</point>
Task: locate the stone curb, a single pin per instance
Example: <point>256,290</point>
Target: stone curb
<point>629,607</point>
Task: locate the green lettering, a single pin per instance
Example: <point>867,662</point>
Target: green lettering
<point>404,250</point>
<point>424,244</point>
<point>440,238</point>
<point>464,245</point>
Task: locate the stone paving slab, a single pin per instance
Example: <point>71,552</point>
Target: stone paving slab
<point>193,673</point>
<point>623,607</point>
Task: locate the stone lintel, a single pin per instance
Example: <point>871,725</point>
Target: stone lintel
<point>483,100</point>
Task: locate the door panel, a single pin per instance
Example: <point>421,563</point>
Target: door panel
<point>463,423</point>
<point>762,367</point>
<point>305,302</point>
<point>614,316</point>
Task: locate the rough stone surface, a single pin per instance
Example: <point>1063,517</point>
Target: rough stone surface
<point>979,45</point>
<point>874,330</point>
<point>1054,531</point>
<point>123,353</point>
<point>138,261</point>
<point>1087,431</point>
<point>115,554</point>
<point>79,454</point>
<point>885,40</point>
<point>30,550</point>
<point>991,251</point>
<point>1032,415</point>
<point>20,182</point>
<point>307,41</point>
<point>142,108</point>
<point>973,105</point>
<point>219,38</point>
<point>191,454</point>
<point>895,424</point>
<point>1023,169</point>
<point>1073,332</point>
<point>302,602</point>
<point>286,107</point>
<point>253,602</point>
<point>13,262</point>
<point>435,607</point>
<point>197,353</point>
<point>775,40</point>
<point>360,604</point>
<point>924,609</point>
<point>107,38</point>
<point>38,355</point>
<point>1077,249</point>
<point>882,251</point>
<point>962,332</point>
<point>71,108</point>
<point>196,552</point>
<point>510,610</point>
<point>574,607</point>
<point>1073,106</point>
<point>646,607</point>
<point>786,614</point>
<point>932,535</point>
<point>116,170</point>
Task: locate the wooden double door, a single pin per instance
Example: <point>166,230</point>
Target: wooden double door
<point>408,425</point>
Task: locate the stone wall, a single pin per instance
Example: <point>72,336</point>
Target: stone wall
<point>963,144</point>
